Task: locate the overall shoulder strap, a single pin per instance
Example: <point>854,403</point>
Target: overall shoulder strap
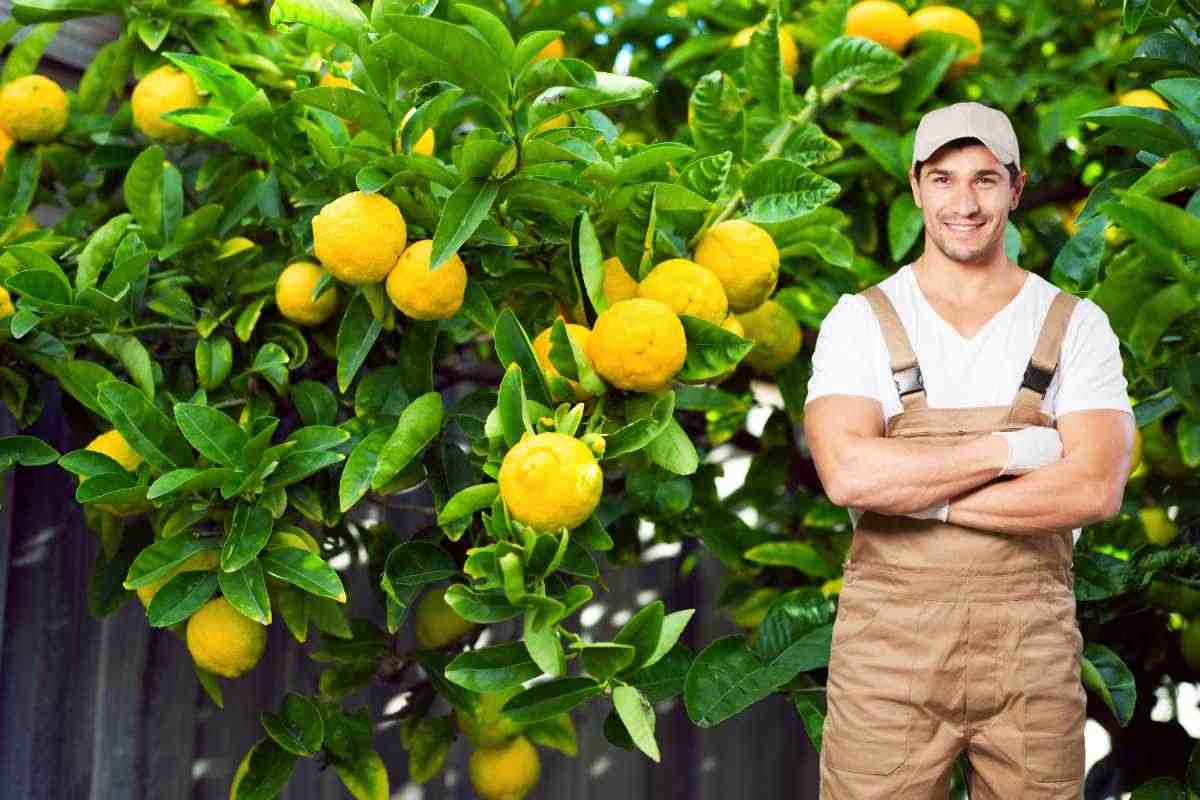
<point>1042,365</point>
<point>906,372</point>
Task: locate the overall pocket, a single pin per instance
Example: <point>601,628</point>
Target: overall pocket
<point>1055,700</point>
<point>870,674</point>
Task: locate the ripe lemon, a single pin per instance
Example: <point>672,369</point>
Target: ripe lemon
<point>1143,98</point>
<point>1135,458</point>
<point>359,237</point>
<point>541,346</point>
<point>436,624</point>
<point>201,562</point>
<point>618,283</point>
<point>550,480</point>
<point>33,108</point>
<point>224,641</point>
<point>1189,643</point>
<point>487,726</point>
<point>637,344</point>
<point>329,79</point>
<point>744,257</point>
<point>789,54</point>
<point>425,143</point>
<point>6,143</point>
<point>554,49</point>
<point>881,21</point>
<point>777,337</point>
<point>1069,214</point>
<point>427,294</point>
<point>163,90</point>
<point>831,587</point>
<point>6,304</point>
<point>507,772</point>
<point>293,294</point>
<point>951,20</point>
<point>1159,528</point>
<point>686,288</point>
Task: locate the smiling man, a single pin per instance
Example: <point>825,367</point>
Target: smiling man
<point>972,418</point>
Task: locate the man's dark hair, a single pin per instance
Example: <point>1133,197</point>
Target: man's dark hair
<point>967,141</point>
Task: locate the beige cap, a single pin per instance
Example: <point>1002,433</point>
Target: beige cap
<point>989,125</point>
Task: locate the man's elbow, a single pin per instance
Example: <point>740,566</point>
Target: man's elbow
<point>840,490</point>
<point>1107,502</point>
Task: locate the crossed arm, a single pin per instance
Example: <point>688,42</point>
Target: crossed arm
<point>860,467</point>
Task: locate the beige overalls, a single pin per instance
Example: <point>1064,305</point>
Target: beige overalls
<point>949,638</point>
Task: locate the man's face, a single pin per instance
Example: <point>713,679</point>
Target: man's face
<point>966,198</point>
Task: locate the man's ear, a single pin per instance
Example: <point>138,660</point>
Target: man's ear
<point>915,185</point>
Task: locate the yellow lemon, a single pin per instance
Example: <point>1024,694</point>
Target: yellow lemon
<point>1159,528</point>
<point>6,304</point>
<point>831,587</point>
<point>223,640</point>
<point>1069,214</point>
<point>881,21</point>
<point>686,288</point>
<point>744,257</point>
<point>1143,98</point>
<point>550,480</point>
<point>578,334</point>
<point>507,772</point>
<point>618,283</point>
<point>1135,458</point>
<point>951,20</point>
<point>427,294</point>
<point>201,562</point>
<point>33,108</point>
<point>330,79</point>
<point>777,337</point>
<point>637,344</point>
<point>293,294</point>
<point>113,445</point>
<point>553,49</point>
<point>6,143</point>
<point>789,54</point>
<point>436,624</point>
<point>488,726</point>
<point>359,236</point>
<point>163,90</point>
<point>425,143</point>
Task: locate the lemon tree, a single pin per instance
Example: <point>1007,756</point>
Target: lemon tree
<point>330,254</point>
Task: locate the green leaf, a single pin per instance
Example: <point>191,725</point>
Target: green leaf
<point>602,660</point>
<point>315,403</point>
<point>512,407</point>
<point>419,424</point>
<point>482,607</point>
<point>302,568</point>
<point>228,87</point>
<point>249,530</point>
<point>355,338</point>
<point>494,668</point>
<point>147,430</point>
<point>28,12</point>
<point>668,635</point>
<point>764,66</point>
<point>298,727</point>
<point>217,437</point>
<point>462,213</point>
<point>717,115</point>
<point>23,58</point>
<point>439,50</point>
<point>1151,129</point>
<point>642,632</point>
<point>550,698</point>
<point>607,89</point>
<point>798,555</point>
<point>99,250</point>
<point>637,714</point>
<point>163,558</point>
<point>189,480</point>
<point>360,468</point>
<point>418,562</point>
<point>341,19</point>
<point>905,223</point>
<point>349,104</point>
<point>28,451</point>
<point>269,769</point>
<point>180,597</point>
<point>852,60</point>
<point>213,361</point>
<point>711,349</point>
<point>673,450</point>
<point>1108,676</point>
<point>364,775</point>
<point>144,194</point>
<point>467,501</point>
<point>644,429</point>
<point>246,590</point>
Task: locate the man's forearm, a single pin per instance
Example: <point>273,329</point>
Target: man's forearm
<point>896,476</point>
<point>1061,496</point>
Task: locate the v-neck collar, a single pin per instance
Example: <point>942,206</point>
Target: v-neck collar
<point>912,278</point>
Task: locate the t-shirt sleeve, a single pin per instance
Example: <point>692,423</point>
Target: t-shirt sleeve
<point>843,360</point>
<point>1091,372</point>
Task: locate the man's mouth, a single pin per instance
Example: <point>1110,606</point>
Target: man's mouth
<point>963,228</point>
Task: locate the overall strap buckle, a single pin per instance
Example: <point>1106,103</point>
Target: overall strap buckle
<point>909,380</point>
<point>1036,378</point>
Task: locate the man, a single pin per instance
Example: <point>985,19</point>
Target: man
<point>972,418</point>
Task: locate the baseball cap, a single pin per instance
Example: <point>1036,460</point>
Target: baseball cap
<point>989,125</point>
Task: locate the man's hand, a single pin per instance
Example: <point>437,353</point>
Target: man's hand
<point>1031,448</point>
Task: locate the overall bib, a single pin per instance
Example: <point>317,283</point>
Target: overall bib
<point>950,638</point>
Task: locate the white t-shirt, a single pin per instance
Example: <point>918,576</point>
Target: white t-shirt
<point>986,370</point>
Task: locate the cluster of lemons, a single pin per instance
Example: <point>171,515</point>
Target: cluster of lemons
<point>890,24</point>
<point>361,238</point>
